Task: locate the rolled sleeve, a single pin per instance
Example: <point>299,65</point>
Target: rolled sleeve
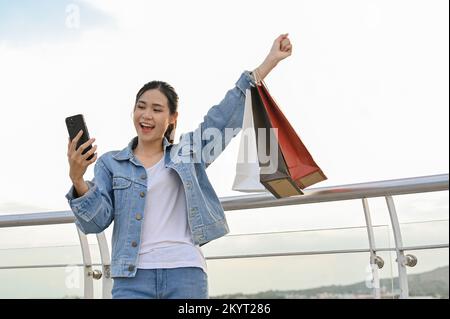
<point>245,81</point>
<point>94,210</point>
<point>84,206</point>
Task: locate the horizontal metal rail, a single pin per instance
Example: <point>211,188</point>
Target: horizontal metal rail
<point>281,254</point>
<point>46,266</point>
<point>325,252</point>
<point>412,185</point>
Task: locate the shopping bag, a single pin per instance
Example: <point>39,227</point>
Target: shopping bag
<point>301,166</point>
<point>247,166</point>
<point>274,174</point>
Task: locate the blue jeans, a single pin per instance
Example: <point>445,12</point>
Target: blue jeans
<point>169,283</point>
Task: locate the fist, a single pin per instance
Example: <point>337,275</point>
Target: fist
<point>281,48</point>
<point>284,43</point>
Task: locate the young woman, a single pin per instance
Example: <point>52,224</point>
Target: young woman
<point>158,194</point>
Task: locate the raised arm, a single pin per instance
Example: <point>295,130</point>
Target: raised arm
<point>224,120</point>
<point>281,49</point>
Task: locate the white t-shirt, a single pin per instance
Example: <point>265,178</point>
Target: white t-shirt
<point>166,238</point>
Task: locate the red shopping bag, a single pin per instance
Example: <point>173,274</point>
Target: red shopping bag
<point>302,167</point>
<point>274,174</point>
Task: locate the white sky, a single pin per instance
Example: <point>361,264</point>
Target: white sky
<point>366,89</point>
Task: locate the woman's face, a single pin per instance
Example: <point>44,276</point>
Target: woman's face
<point>151,116</point>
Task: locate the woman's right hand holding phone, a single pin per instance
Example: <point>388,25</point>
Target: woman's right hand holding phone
<point>78,162</point>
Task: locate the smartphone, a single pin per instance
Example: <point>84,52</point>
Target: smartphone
<point>74,124</point>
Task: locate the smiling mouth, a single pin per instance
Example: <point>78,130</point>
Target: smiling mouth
<point>146,127</point>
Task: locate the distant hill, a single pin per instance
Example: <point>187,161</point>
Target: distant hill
<point>433,283</point>
<point>428,284</point>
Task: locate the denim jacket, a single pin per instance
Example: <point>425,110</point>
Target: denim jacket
<point>119,187</point>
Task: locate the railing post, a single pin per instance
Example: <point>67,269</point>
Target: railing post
<point>88,273</point>
<point>374,259</point>
<point>401,260</point>
<point>106,266</point>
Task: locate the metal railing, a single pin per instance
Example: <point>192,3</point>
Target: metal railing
<point>363,191</point>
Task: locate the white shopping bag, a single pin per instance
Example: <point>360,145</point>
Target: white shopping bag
<point>247,166</point>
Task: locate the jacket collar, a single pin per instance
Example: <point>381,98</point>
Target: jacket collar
<point>127,152</point>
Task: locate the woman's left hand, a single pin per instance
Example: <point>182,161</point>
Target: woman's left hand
<point>281,49</point>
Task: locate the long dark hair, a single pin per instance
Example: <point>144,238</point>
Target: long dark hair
<point>171,96</point>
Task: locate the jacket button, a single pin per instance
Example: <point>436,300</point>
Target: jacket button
<point>138,216</point>
<point>130,267</point>
<point>143,176</point>
<point>188,184</point>
<point>142,194</point>
<point>134,244</point>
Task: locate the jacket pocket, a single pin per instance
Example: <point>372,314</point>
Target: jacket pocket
<point>121,188</point>
<point>121,182</point>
